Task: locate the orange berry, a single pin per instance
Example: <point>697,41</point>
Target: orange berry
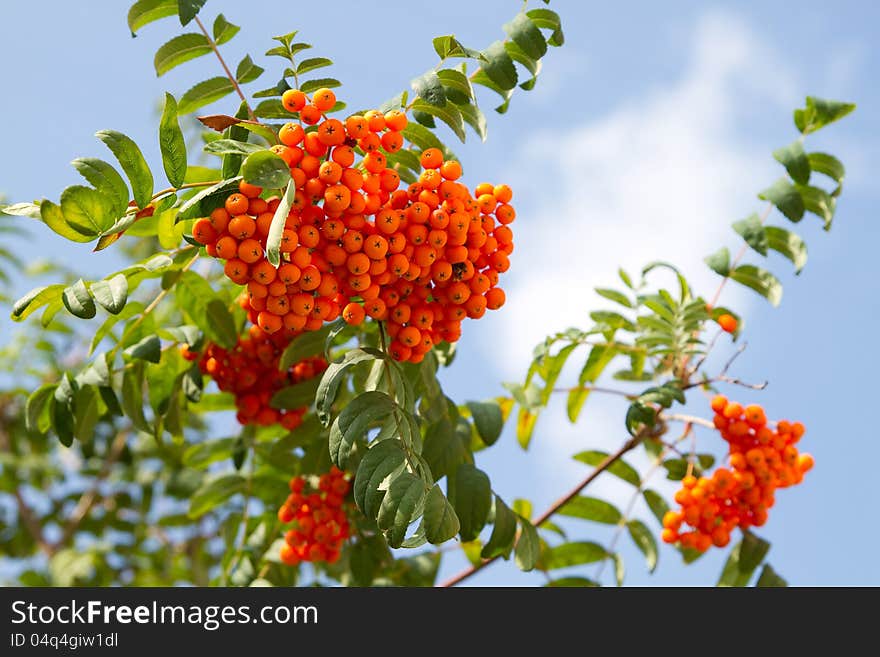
<point>293,100</point>
<point>353,314</point>
<point>727,322</point>
<point>324,99</point>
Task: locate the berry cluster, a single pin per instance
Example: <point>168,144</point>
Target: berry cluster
<point>355,245</point>
<point>321,525</point>
<point>250,372</point>
<point>762,459</point>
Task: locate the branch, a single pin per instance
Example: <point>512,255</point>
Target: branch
<point>689,419</point>
<point>226,69</point>
<point>606,463</point>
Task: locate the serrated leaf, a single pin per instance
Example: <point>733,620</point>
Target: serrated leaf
<point>222,323</point>
<point>548,19</point>
<point>311,64</point>
<point>769,578</point>
<point>645,541</point>
<point>488,420</point>
<point>440,520</point>
<point>298,395</point>
<point>527,36</point>
<point>498,66</point>
<point>819,112</point>
<point>795,161</point>
<point>34,300</point>
<point>78,301</point>
<point>223,30</point>
<point>144,12</point>
<point>247,71</point>
<point>619,468</point>
<point>148,349</point>
<point>306,345</point>
<point>760,280</point>
<point>830,166</point>
<point>379,462</point>
<point>615,296</point>
<point>591,508</point>
<point>400,507</point>
<point>221,188</point>
<point>215,492</point>
<point>180,49</point>
<point>574,554</point>
<point>188,9</point>
<point>475,118</point>
<point>266,169</point>
<point>719,262</point>
<point>86,210</point>
<point>104,178</point>
<point>429,88</point>
<point>313,85</point>
<point>528,547</point>
<point>449,114</point>
<point>36,403</point>
<point>471,495</point>
<point>448,46</point>
<point>786,198</point>
<point>354,420</point>
<point>599,358</point>
<point>788,244</point>
<point>203,454</point>
<point>172,144</point>
<point>332,379</point>
<point>752,231</point>
<point>279,221</point>
<point>133,396</point>
<point>656,503</point>
<point>111,293</point>
<point>503,532</point>
<point>205,93</point>
<point>819,202</point>
<point>133,163</point>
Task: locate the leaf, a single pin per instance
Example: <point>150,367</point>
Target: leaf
<point>332,378</point>
<point>574,554</point>
<point>474,117</point>
<point>547,19</point>
<point>36,403</point>
<point>503,532</point>
<point>440,520</point>
<point>221,188</point>
<point>830,166</point>
<point>78,301</point>
<point>619,468</point>
<point>423,139</point>
<point>313,85</point>
<point>299,395</point>
<point>400,507</point>
<point>471,495</point>
<point>279,221</point>
<point>788,244</point>
<point>144,12</point>
<point>752,231</point>
<point>429,88</point>
<point>645,541</point>
<point>203,454</point>
<point>760,280</point>
<point>133,396</point>
<point>591,508</point>
<point>111,293</point>
<point>214,492</point>
<point>528,547</point>
<point>498,66</point>
<point>571,582</point>
<point>34,300</point>
<point>266,169</point>
<point>719,262</point>
<point>53,217</point>
<point>599,358</point>
<point>171,143</point>
<point>656,503</point>
<point>354,421</point>
<point>795,161</point>
<point>205,93</point>
<point>448,46</point>
<point>197,298</point>
<point>180,49</point>
<point>820,112</point>
<point>819,202</point>
<point>743,560</point>
<point>312,64</point>
<point>380,460</point>
<point>223,328</point>
<point>449,114</point>
<point>527,36</point>
<point>148,349</point>
<point>615,296</point>
<point>187,9</point>
<point>247,71</point>
<point>104,178</point>
<point>133,163</point>
<point>786,198</point>
<point>305,345</point>
<point>488,419</point>
<point>85,210</point>
<point>769,578</point>
<point>223,30</point>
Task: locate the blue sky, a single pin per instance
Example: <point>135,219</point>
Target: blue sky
<point>647,134</point>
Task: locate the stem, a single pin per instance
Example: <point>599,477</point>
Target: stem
<point>591,388</point>
<point>606,463</point>
<point>689,419</point>
<point>739,256</point>
<point>171,190</point>
<point>226,69</point>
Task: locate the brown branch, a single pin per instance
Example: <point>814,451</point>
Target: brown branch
<point>229,75</point>
<point>90,496</point>
<point>606,463</point>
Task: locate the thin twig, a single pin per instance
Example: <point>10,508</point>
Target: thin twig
<point>590,388</point>
<point>692,419</point>
<point>606,463</point>
<point>229,75</point>
<point>171,190</point>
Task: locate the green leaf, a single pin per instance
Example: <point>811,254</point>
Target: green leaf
<point>247,71</point>
<point>423,139</point>
<point>819,202</point>
<point>615,296</point>
<point>820,112</point>
<point>788,244</point>
<point>786,198</point>
<point>195,296</point>
<point>446,446</point>
<point>656,503</point>
<point>171,143</point>
<point>222,188</point>
<point>547,19</point>
<point>86,413</point>
<point>133,163</point>
<point>203,454</point>
<point>503,532</point>
<point>591,508</point>
<point>719,262</point>
<point>86,210</point>
<point>527,36</point>
<point>572,582</point>
<point>769,578</point>
<point>266,169</point>
<point>36,403</point>
<point>299,395</point>
<point>111,293</point>
<point>148,348</point>
<point>306,345</point>
<point>441,523</point>
<point>144,12</point>
<point>429,88</point>
<point>215,492</point>
<point>353,422</point>
<point>223,30</point>
<point>498,66</point>
<point>332,378</point>
<point>619,468</point>
<point>222,323</point>
<point>312,64</point>
<point>448,46</point>
<point>488,419</point>
<point>279,221</point>
<point>379,462</point>
<point>449,114</point>
<point>645,541</point>
<point>528,547</point>
<point>830,166</point>
<point>795,161</point>
<point>180,49</point>
<point>313,85</point>
<point>133,396</point>
<point>743,560</point>
<point>34,300</point>
<point>78,301</point>
<point>471,495</point>
<point>575,554</point>
<point>474,117</point>
<point>187,9</point>
<point>752,231</point>
<point>400,507</point>
<point>599,358</point>
<point>205,93</point>
<point>456,86</point>
<point>760,280</point>
<point>104,178</point>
